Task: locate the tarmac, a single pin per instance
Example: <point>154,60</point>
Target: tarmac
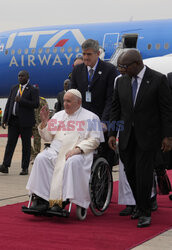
<point>13,190</point>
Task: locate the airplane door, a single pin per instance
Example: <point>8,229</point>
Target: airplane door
<point>110,42</point>
<point>129,40</point>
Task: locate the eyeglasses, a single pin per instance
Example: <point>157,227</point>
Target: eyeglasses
<point>125,66</point>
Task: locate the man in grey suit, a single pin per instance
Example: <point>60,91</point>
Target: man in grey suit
<point>142,101</point>
<point>20,118</point>
<point>94,78</point>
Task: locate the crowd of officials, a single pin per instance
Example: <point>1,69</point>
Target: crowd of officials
<point>134,98</point>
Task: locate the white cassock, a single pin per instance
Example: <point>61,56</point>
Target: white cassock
<point>125,194</point>
<point>82,129</point>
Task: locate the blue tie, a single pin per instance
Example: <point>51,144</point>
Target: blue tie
<point>91,72</point>
<point>134,89</point>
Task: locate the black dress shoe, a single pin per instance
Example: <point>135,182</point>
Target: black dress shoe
<point>3,169</point>
<point>144,221</point>
<point>24,172</point>
<point>127,211</point>
<point>56,208</point>
<point>40,204</point>
<point>170,197</point>
<point>136,214</point>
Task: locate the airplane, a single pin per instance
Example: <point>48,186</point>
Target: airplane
<point>162,64</point>
<point>47,53</point>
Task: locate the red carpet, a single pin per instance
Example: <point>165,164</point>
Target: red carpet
<point>3,135</point>
<point>110,231</point>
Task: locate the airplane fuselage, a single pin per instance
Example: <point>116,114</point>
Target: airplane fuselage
<point>47,53</point>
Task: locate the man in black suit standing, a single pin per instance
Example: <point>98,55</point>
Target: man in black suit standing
<point>169,77</point>
<point>142,101</point>
<point>94,78</point>
<point>59,104</point>
<point>19,115</point>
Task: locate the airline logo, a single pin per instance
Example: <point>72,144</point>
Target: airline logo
<point>56,35</point>
<point>55,39</point>
<point>1,46</point>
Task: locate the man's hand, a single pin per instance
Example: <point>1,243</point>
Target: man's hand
<point>112,143</point>
<point>166,144</point>
<point>44,116</point>
<point>17,98</point>
<point>4,125</point>
<point>74,151</point>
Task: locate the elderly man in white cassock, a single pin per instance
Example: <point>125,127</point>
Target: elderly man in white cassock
<point>61,172</point>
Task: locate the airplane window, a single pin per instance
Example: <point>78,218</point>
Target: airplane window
<point>149,46</point>
<point>33,51</point>
<point>77,49</point>
<point>47,50</point>
<point>6,52</point>
<point>19,51</point>
<point>157,46</point>
<point>62,50</point>
<point>70,49</point>
<point>166,46</point>
<point>12,52</point>
<point>40,50</point>
<point>55,50</point>
<point>26,51</point>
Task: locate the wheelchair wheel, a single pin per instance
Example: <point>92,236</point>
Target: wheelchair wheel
<point>81,212</point>
<point>100,186</point>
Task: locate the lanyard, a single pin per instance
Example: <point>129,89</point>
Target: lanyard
<point>21,90</point>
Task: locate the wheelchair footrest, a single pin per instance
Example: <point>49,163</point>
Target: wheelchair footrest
<point>32,211</point>
<point>62,213</point>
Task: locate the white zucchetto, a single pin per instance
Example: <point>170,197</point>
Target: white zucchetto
<point>75,92</point>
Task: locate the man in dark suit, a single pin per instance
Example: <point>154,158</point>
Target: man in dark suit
<point>142,101</point>
<point>59,104</point>
<point>94,78</point>
<point>169,77</point>
<point>19,115</point>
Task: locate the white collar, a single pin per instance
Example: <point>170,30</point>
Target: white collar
<point>94,68</point>
<point>141,73</point>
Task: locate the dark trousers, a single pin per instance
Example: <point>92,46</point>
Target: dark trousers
<point>14,130</point>
<point>139,167</point>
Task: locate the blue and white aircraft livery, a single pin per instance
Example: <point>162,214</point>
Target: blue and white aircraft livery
<point>47,53</point>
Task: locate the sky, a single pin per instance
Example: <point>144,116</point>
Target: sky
<point>16,14</point>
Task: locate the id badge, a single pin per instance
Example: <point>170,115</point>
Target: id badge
<point>88,96</point>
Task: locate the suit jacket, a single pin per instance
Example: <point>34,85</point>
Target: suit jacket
<point>28,102</point>
<point>151,117</point>
<point>169,77</point>
<point>101,87</point>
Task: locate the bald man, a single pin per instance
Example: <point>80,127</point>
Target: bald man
<point>62,171</point>
<point>142,100</point>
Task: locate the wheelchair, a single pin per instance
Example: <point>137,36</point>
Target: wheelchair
<point>100,189</point>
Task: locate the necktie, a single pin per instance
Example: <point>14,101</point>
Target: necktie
<point>91,72</point>
<point>17,104</point>
<point>134,89</point>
